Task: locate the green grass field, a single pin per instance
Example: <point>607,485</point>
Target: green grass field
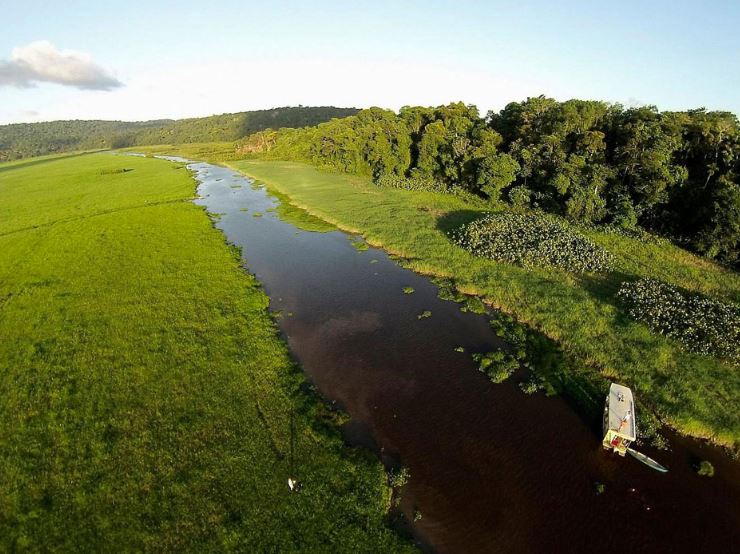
<point>204,151</point>
<point>145,396</point>
<point>695,394</point>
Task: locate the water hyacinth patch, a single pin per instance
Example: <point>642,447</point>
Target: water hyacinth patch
<point>531,386</point>
<point>530,240</point>
<point>705,469</point>
<point>703,325</point>
<point>397,478</point>
<point>498,365</point>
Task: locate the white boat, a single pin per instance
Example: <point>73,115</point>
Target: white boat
<point>620,428</point>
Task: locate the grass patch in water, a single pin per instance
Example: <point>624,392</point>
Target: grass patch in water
<point>408,290</point>
<point>425,314</point>
<point>531,386</point>
<point>298,217</point>
<point>498,365</point>
<point>705,469</point>
<point>359,245</point>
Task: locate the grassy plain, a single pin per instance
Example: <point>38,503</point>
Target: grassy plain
<point>145,395</point>
<point>27,162</point>
<point>694,394</point>
<point>204,151</point>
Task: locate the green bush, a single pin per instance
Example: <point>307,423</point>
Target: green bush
<point>530,240</point>
<point>520,196</point>
<point>412,183</point>
<point>634,233</point>
<point>703,325</point>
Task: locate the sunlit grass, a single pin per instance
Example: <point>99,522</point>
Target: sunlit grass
<point>691,392</point>
<point>145,395</point>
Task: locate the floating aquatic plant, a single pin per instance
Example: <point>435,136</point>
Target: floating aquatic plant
<point>397,478</point>
<point>498,365</point>
<point>705,469</point>
<point>531,386</point>
<point>359,245</point>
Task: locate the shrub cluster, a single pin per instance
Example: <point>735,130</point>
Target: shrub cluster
<point>520,196</point>
<point>635,233</point>
<point>703,325</point>
<point>531,240</point>
<point>412,183</point>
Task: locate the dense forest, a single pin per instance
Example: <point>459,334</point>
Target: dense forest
<point>674,173</point>
<point>23,140</point>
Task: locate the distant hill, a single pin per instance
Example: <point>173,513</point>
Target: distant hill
<point>22,140</point>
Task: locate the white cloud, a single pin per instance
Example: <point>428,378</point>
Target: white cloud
<point>41,61</point>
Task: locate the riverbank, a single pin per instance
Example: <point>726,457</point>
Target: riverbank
<point>146,395</point>
<point>694,394</point>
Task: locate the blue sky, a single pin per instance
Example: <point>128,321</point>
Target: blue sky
<point>188,58</point>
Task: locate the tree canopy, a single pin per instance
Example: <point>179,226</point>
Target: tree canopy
<point>675,173</point>
<point>22,140</point>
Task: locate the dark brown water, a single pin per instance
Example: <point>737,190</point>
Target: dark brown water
<point>492,469</point>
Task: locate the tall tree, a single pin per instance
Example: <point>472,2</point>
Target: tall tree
<point>643,145</point>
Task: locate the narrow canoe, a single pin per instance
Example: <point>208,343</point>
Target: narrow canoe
<point>647,460</point>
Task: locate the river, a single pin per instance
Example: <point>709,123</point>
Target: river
<point>492,469</point>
